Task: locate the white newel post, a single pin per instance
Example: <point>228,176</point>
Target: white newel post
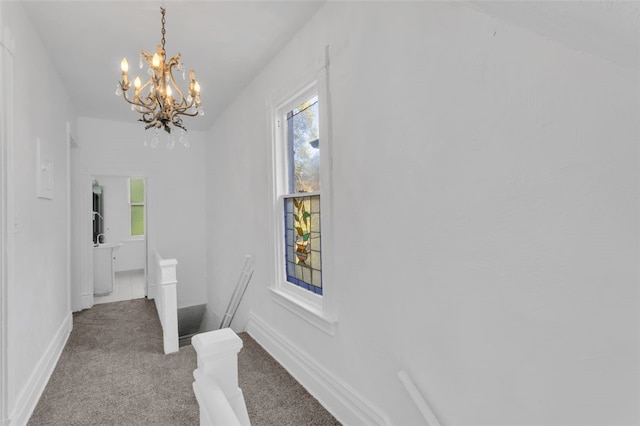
<point>168,306</point>
<point>216,387</point>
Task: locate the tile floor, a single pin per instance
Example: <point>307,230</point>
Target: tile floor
<point>128,285</point>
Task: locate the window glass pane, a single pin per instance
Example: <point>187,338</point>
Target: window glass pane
<point>137,220</point>
<point>304,147</point>
<point>302,235</point>
<point>137,190</point>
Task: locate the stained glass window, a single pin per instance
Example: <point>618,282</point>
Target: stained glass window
<point>302,236</point>
<point>303,258</point>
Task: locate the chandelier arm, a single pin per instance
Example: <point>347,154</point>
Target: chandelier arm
<point>151,120</point>
<point>149,104</point>
<point>148,82</point>
<point>124,85</point>
<point>147,57</point>
<point>149,116</point>
<point>175,60</point>
<point>190,114</point>
<point>146,109</point>
<point>136,104</point>
<point>140,99</point>
<point>177,121</point>
<point>175,85</point>
<point>126,98</point>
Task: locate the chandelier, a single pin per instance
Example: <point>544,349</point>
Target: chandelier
<point>160,100</point>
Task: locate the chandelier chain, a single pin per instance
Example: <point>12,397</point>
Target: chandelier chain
<point>164,21</point>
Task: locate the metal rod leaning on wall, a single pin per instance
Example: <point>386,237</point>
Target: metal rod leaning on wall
<point>418,399</point>
<point>238,292</point>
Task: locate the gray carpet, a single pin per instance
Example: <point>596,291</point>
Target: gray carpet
<point>113,372</point>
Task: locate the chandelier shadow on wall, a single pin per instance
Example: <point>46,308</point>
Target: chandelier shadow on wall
<point>159,100</point>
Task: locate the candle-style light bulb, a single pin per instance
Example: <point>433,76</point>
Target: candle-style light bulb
<point>196,87</point>
<point>137,83</point>
<point>169,92</point>
<point>124,65</point>
<point>155,61</point>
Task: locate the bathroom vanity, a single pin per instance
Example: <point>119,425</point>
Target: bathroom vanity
<point>103,270</point>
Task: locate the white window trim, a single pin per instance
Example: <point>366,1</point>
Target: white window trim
<point>315,309</point>
<point>144,204</point>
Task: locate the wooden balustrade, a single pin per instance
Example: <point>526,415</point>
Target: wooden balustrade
<point>216,386</point>
<point>167,301</point>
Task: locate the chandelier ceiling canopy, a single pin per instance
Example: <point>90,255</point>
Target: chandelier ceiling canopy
<point>160,100</point>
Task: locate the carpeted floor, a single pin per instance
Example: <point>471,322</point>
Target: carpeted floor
<point>112,371</point>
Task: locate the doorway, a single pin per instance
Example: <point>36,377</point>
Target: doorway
<point>119,224</point>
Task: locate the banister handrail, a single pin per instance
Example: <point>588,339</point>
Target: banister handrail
<point>215,409</point>
<point>216,386</point>
<point>167,301</point>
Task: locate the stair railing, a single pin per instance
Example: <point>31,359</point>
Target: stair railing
<point>216,387</point>
<point>167,301</point>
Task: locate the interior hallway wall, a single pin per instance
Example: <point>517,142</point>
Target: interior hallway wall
<point>175,192</point>
<point>485,206</point>
<point>39,313</point>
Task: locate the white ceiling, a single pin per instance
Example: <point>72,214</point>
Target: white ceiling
<point>606,28</point>
<point>229,42</point>
<point>226,42</point>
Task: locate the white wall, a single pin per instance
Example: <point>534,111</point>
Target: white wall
<point>117,224</point>
<point>485,216</point>
<point>39,313</point>
<point>175,192</point>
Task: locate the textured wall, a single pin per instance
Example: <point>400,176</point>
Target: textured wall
<point>38,287</point>
<point>485,215</point>
<point>175,192</point>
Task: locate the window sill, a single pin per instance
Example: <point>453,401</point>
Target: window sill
<point>310,313</point>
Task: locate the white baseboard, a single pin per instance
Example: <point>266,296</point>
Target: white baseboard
<point>152,291</point>
<point>86,301</point>
<point>335,395</point>
<point>30,395</point>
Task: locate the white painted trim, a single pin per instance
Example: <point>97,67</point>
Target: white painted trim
<point>340,399</point>
<point>314,81</point>
<point>167,301</point>
<point>307,312</point>
<point>220,399</point>
<point>329,305</point>
<point>28,398</point>
<point>84,241</point>
<point>68,194</point>
<point>215,409</point>
<point>4,229</point>
<point>86,301</point>
<point>152,291</point>
<point>7,210</point>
